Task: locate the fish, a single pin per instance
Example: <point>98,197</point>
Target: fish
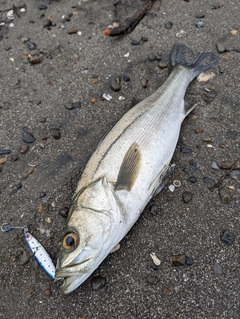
<point>129,167</point>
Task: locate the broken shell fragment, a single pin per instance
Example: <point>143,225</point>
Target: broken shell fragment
<point>156,261</point>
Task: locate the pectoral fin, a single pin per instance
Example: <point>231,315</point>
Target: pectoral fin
<point>129,169</point>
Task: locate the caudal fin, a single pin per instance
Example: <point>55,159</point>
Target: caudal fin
<point>183,55</point>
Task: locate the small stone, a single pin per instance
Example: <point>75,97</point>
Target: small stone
<point>24,149</point>
<point>217,268</point>
<point>208,180</point>
<point>198,130</point>
<point>93,100</point>
<point>5,152</point>
<point>98,283</point>
<point>40,208</point>
<point>63,212</point>
<point>152,57</point>
<point>42,194</point>
<point>42,6</point>
<point>227,237</point>
<point>25,56</point>
<point>72,31</point>
<point>235,175</point>
<point>67,19</point>
<point>220,47</point>
<point>69,106</point>
<point>187,196</point>
<point>228,165</point>
<point>152,279</point>
<point>231,134</point>
<point>134,42</point>
<point>70,14</point>
<point>42,119</point>
<point>198,24</point>
<point>35,60</point>
<point>126,78</point>
<point>47,23</point>
<point>200,15</point>
<point>144,39</point>
<point>225,194</point>
<point>31,21</point>
<point>154,209</point>
<point>154,267</point>
<point>55,133</point>
<point>163,65</point>
<point>214,165</point>
<point>144,83</point>
<point>168,25</point>
<point>192,179</point>
<point>28,137</point>
<point>233,32</point>
<point>115,84</point>
<point>178,260</point>
<point>171,188</point>
<point>48,292</point>
<point>31,45</point>
<point>77,104</point>
<point>48,220</point>
<point>3,159</point>
<point>189,261</point>
<point>24,40</point>
<point>94,80</point>
<point>207,139</point>
<point>22,258</point>
<point>18,186</point>
<point>155,259</point>
<point>186,150</point>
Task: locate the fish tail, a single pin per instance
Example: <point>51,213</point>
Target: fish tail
<point>183,55</point>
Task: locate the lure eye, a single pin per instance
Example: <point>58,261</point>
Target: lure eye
<point>70,241</point>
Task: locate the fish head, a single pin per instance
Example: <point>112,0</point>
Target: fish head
<point>89,236</point>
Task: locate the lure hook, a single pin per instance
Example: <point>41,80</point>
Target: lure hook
<point>6,228</point>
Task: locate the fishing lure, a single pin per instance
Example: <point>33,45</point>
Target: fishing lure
<point>39,252</point>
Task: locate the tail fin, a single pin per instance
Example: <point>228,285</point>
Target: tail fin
<point>183,55</point>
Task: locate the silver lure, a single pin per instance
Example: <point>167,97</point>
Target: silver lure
<point>127,169</point>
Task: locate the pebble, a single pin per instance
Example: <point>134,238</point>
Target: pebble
<point>48,292</point>
<point>235,175</point>
<point>198,130</point>
<point>67,19</point>
<point>42,194</point>
<point>187,196</point>
<point>18,186</point>
<point>115,84</point>
<point>217,268</point>
<point>231,134</point>
<point>144,39</point>
<point>72,31</point>
<point>227,237</point>
<point>220,47</point>
<point>154,267</point>
<point>93,100</point>
<point>134,42</point>
<point>31,45</point>
<point>27,137</point>
<point>22,258</point>
<point>208,180</point>
<point>3,159</point>
<point>198,24</point>
<point>168,25</point>
<point>152,57</point>
<point>98,283</point>
<point>152,279</point>
<point>69,106</point>
<point>178,260</point>
<point>214,165</point>
<point>207,139</point>
<point>63,212</point>
<point>42,119</point>
<point>162,65</point>
<point>47,23</point>
<point>70,14</point>
<point>24,40</point>
<point>35,60</point>
<point>225,194</point>
<point>5,152</point>
<point>171,188</point>
<point>192,179</point>
<point>126,78</point>
<point>55,132</point>
<point>42,6</point>
<point>77,104</point>
<point>200,16</point>
<point>154,209</point>
<point>186,150</point>
<point>24,149</point>
<point>189,261</point>
<point>144,83</point>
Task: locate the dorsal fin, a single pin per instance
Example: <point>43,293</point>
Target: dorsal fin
<point>129,169</point>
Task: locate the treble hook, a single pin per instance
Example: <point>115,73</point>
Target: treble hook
<point>5,228</point>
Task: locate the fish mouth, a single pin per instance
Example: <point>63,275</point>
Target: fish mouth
<point>74,269</point>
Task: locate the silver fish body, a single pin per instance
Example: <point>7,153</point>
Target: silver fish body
<point>126,171</point>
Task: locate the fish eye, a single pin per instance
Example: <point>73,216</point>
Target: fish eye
<point>70,241</point>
